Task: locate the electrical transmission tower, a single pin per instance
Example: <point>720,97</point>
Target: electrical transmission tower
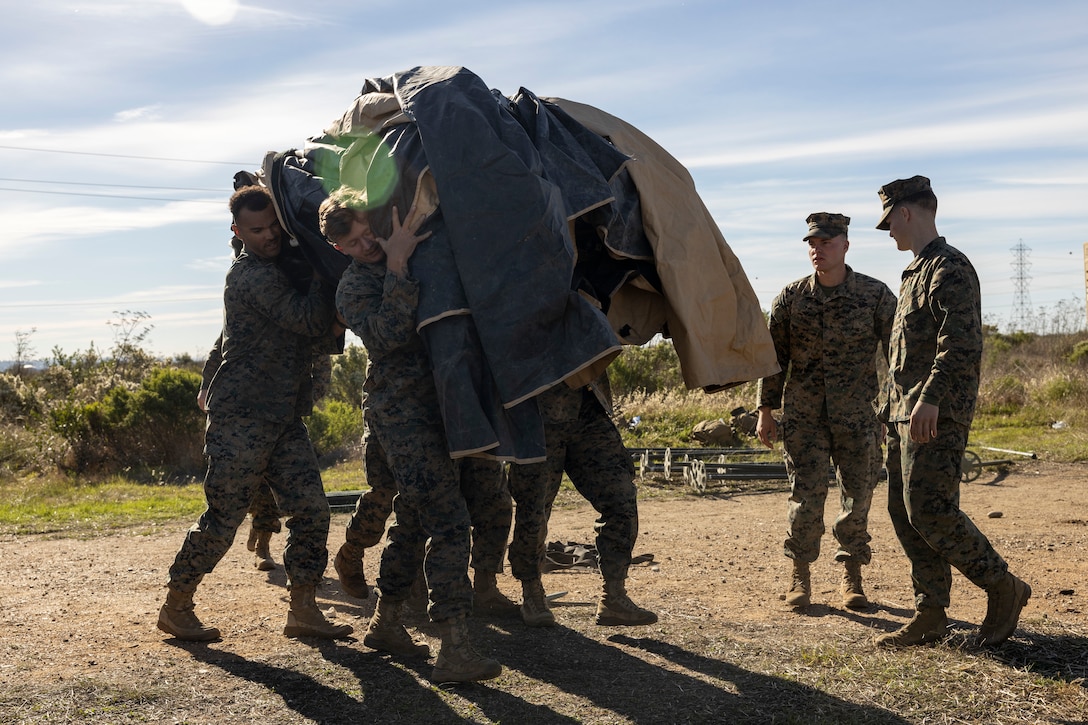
<point>1021,299</point>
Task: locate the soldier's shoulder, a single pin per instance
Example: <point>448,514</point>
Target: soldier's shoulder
<point>867,283</point>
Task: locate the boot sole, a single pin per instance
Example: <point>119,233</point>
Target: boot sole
<point>440,676</point>
<point>607,621</point>
<point>201,637</point>
<point>422,652</point>
<point>297,631</point>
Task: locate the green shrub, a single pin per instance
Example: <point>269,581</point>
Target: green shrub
<point>1079,355</point>
<point>336,428</point>
<point>1062,389</point>
<point>650,368</point>
<point>348,374</point>
<point>21,401</point>
<point>155,424</point>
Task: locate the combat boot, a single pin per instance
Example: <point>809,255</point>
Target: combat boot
<point>534,605</point>
<point>853,596</point>
<point>304,619</point>
<point>800,593</point>
<point>1003,604</point>
<point>487,598</point>
<point>615,608</point>
<point>387,634</point>
<point>263,557</point>
<point>177,617</point>
<point>927,626</point>
<point>251,542</point>
<point>349,567</point>
<point>457,661</point>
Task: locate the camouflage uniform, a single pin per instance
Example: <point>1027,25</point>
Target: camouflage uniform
<point>402,414</point>
<point>827,341</point>
<point>483,484</point>
<point>936,353</point>
<point>583,441</point>
<point>256,402</point>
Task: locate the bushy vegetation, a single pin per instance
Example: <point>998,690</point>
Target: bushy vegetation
<point>98,414</point>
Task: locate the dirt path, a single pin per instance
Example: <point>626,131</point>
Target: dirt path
<point>80,612</point>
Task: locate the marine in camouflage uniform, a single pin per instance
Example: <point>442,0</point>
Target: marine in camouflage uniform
<point>264,512</point>
<point>256,402</point>
<point>936,352</point>
<point>580,439</point>
<point>378,300</point>
<point>828,331</point>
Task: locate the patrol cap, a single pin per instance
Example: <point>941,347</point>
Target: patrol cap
<point>896,191</point>
<point>824,225</point>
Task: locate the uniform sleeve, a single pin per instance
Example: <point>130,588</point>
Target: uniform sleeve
<point>215,357</point>
<point>954,303</point>
<point>381,311</point>
<point>771,387</point>
<point>885,319</point>
<point>267,290</point>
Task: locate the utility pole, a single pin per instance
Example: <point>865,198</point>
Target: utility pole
<point>1021,299</point>
<point>1086,281</point>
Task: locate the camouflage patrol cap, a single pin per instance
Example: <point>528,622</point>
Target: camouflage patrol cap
<point>896,191</point>
<point>824,225</point>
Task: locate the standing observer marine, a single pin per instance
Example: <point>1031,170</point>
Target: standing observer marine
<point>828,329</point>
<point>256,403</point>
<point>936,357</point>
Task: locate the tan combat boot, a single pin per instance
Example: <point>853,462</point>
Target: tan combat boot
<point>800,593</point>
<point>927,626</point>
<point>1003,604</point>
<point>251,542</point>
<point>386,633</point>
<point>853,596</point>
<point>349,567</point>
<point>457,661</point>
<point>304,619</point>
<point>487,598</point>
<point>534,605</point>
<point>263,557</point>
<point>177,617</point>
<point>615,608</point>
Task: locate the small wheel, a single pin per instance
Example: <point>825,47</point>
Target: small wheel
<point>972,466</point>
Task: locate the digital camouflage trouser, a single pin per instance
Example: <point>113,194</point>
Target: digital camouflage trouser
<point>430,508</point>
<point>809,450</point>
<point>924,504</point>
<point>591,452</point>
<point>483,484</point>
<point>242,455</point>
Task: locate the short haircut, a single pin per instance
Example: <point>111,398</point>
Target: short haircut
<point>250,198</point>
<point>925,199</point>
<point>338,212</point>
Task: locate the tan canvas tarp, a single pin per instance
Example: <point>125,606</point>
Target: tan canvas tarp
<point>712,311</point>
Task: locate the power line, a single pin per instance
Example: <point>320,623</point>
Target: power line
<point>119,186</point>
<point>109,196</point>
<point>122,156</point>
<point>16,305</point>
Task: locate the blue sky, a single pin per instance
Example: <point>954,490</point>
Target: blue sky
<point>123,122</point>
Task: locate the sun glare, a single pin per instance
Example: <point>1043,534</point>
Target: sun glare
<point>212,12</point>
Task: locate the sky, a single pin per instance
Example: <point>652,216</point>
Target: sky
<point>123,122</point>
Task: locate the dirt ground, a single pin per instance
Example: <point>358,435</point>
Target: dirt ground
<point>78,638</point>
